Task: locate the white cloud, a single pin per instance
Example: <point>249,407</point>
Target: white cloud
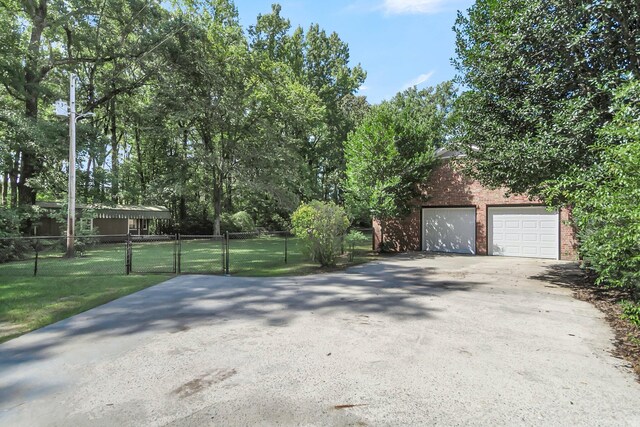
<point>401,7</point>
<point>363,88</point>
<point>422,78</point>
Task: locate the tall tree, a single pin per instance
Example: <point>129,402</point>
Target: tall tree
<point>46,37</point>
<point>320,61</point>
<point>393,151</point>
<point>540,76</point>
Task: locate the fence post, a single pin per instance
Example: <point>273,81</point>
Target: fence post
<point>175,253</point>
<point>178,266</point>
<point>129,254</point>
<point>226,238</point>
<point>223,251</point>
<point>285,247</point>
<point>35,266</point>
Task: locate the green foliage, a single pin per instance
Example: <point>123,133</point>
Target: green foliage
<point>605,197</point>
<point>392,151</point>
<point>321,225</point>
<point>243,221</point>
<point>227,224</point>
<point>354,237</point>
<point>631,311</point>
<point>237,222</point>
<point>192,111</point>
<point>552,110</point>
<point>540,76</point>
<point>12,221</point>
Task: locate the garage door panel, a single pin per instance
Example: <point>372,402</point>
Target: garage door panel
<point>549,253</point>
<point>512,224</point>
<point>548,238</point>
<point>449,230</point>
<point>523,231</point>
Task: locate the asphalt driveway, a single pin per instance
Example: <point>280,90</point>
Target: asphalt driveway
<point>416,339</point>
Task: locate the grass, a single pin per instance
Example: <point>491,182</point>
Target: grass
<point>65,287</point>
<point>28,303</point>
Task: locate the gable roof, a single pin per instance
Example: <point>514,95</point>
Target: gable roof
<point>117,211</point>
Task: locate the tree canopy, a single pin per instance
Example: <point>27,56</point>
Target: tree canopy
<point>192,110</point>
<point>393,149</point>
<point>540,77</point>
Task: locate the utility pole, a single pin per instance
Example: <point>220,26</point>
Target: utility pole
<point>62,109</point>
<point>71,208</point>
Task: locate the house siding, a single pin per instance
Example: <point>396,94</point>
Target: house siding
<point>111,226</point>
<point>448,187</point>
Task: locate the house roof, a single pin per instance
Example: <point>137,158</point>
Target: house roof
<point>117,211</point>
<point>445,153</point>
<point>448,153</point>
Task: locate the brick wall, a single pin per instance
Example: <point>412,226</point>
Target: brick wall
<point>448,187</point>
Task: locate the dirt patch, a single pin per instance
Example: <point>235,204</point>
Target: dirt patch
<point>204,381</point>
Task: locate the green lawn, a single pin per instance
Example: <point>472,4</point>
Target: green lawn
<point>64,287</point>
<point>28,303</point>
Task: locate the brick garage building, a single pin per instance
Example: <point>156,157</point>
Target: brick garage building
<point>459,215</point>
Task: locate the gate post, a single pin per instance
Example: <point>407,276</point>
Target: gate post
<point>226,239</point>
<point>35,267</point>
<point>128,254</point>
<point>177,248</point>
<point>285,247</point>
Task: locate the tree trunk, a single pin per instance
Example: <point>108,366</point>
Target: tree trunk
<point>5,188</point>
<point>182,213</point>
<point>115,187</point>
<point>143,183</point>
<point>32,77</point>
<point>87,181</point>
<point>182,209</point>
<point>13,178</point>
<point>218,183</point>
<point>228,204</point>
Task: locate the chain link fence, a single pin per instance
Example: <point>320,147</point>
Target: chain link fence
<point>201,254</point>
<point>45,256</point>
<point>257,253</point>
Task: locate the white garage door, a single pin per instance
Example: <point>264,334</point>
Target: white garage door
<point>449,230</point>
<point>523,232</point>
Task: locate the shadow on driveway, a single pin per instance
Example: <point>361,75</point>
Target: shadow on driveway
<point>386,287</point>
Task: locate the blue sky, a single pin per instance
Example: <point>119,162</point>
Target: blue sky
<point>400,43</point>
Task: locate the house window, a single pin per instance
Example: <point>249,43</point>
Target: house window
<point>145,223</point>
<point>133,224</point>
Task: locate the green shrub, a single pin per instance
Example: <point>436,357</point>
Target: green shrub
<point>354,237</point>
<point>604,198</point>
<point>243,221</point>
<point>631,312</point>
<point>321,226</point>
<point>12,246</point>
<point>227,224</point>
